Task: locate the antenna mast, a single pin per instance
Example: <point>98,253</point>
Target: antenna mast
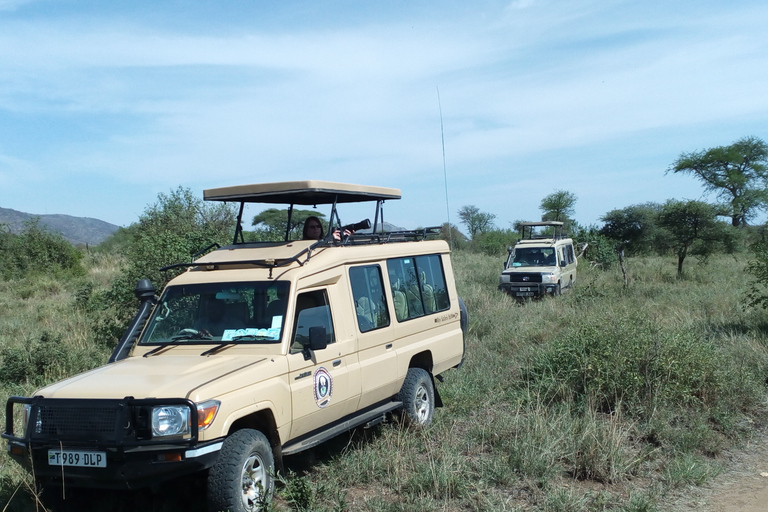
<point>445,172</point>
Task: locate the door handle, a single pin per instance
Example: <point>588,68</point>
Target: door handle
<point>337,362</point>
<point>388,346</point>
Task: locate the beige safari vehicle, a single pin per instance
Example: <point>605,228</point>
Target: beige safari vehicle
<point>539,264</point>
<point>255,351</point>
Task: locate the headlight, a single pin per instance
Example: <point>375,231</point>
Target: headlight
<point>26,414</point>
<point>548,278</point>
<point>206,412</point>
<point>170,420</point>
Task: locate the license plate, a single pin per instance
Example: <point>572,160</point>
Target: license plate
<point>524,289</point>
<point>524,294</point>
<point>77,458</point>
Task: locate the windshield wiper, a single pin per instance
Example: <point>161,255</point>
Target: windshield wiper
<point>191,336</point>
<point>233,341</point>
<point>164,345</point>
<point>251,337</point>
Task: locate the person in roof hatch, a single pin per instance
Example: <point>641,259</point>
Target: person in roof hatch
<point>313,229</point>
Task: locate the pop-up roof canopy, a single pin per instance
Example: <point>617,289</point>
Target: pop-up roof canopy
<point>309,192</point>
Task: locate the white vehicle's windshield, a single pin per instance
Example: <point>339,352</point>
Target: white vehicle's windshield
<point>219,312</point>
<point>534,257</point>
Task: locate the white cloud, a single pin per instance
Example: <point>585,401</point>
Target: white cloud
<point>526,87</point>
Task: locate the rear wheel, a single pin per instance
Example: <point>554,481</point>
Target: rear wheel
<point>242,479</point>
<point>418,397</point>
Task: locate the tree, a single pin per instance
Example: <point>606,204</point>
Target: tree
<point>451,234</point>
<point>633,227</point>
<point>737,174</point>
<point>476,221</point>
<point>693,227</point>
<point>171,231</point>
<point>558,206</point>
<point>271,223</point>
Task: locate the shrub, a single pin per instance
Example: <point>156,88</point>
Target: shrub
<point>630,360</point>
<point>45,360</point>
<point>37,251</point>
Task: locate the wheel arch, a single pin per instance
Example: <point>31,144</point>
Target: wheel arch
<point>424,361</point>
<point>263,421</point>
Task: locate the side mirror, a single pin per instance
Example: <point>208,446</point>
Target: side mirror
<point>563,263</point>
<point>317,341</point>
<point>317,338</point>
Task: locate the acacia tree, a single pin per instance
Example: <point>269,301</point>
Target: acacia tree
<point>693,227</point>
<point>633,228</point>
<point>477,222</point>
<point>272,222</point>
<point>737,174</point>
<point>558,206</point>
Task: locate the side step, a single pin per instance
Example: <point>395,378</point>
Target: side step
<point>369,417</point>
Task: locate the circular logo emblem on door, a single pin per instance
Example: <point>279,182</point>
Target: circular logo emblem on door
<point>323,387</point>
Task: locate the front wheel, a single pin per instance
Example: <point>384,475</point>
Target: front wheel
<point>242,479</point>
<point>418,397</point>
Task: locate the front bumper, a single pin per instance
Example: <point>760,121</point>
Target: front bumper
<point>131,459</point>
<point>523,290</point>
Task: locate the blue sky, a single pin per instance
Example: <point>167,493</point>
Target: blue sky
<point>104,105</point>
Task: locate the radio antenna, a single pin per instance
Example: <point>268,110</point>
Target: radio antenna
<point>445,172</point>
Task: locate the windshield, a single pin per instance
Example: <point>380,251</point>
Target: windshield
<point>219,312</point>
<point>533,257</point>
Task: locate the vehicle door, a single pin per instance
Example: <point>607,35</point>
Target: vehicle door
<point>325,383</point>
<point>376,338</point>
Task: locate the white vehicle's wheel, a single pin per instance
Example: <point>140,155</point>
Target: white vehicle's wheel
<point>242,480</point>
<point>418,397</point>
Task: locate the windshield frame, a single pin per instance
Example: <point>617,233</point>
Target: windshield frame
<point>252,312</point>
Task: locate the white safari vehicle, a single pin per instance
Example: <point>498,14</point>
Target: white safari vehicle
<point>255,351</point>
<point>539,264</point>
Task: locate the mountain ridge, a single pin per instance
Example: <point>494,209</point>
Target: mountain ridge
<point>76,230</point>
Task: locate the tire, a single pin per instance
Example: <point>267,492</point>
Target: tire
<point>243,477</point>
<point>418,397</point>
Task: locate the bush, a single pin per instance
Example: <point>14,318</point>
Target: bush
<point>629,362</point>
<point>45,360</point>
<point>37,251</point>
<point>494,243</point>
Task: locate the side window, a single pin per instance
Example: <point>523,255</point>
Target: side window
<point>312,310</point>
<point>418,286</point>
<point>368,295</point>
<point>571,255</point>
<point>432,281</point>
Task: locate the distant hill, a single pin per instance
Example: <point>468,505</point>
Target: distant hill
<point>76,230</point>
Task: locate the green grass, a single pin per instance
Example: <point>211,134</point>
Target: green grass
<point>604,399</point>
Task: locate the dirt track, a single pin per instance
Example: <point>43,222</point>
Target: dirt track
<point>742,487</point>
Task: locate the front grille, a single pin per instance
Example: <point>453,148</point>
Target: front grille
<point>524,278</point>
<point>81,422</point>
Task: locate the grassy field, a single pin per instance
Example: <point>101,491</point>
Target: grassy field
<point>609,398</point>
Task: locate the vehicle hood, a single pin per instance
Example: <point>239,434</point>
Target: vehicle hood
<point>179,376</point>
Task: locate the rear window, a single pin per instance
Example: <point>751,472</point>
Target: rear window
<point>418,286</point>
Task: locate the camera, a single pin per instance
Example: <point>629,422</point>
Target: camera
<point>363,224</point>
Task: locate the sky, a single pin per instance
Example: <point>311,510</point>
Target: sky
<point>493,104</point>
